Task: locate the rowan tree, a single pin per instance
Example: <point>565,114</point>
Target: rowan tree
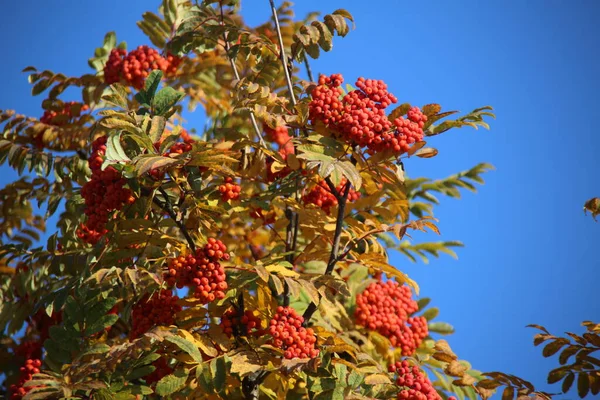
<point>249,259</point>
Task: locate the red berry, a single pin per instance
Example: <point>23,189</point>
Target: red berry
<point>413,383</point>
<point>298,341</point>
<point>158,310</point>
<point>385,307</point>
<point>203,271</point>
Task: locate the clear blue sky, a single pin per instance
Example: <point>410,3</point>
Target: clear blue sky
<point>529,255</point>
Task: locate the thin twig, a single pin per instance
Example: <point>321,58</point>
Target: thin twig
<point>166,206</point>
<point>288,78</point>
<point>308,70</point>
<point>257,130</point>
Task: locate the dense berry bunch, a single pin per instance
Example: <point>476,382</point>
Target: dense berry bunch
<point>229,190</point>
<point>71,109</point>
<point>289,334</point>
<point>161,370</point>
<point>31,367</point>
<point>326,105</point>
<point>248,324</point>
<point>201,270</point>
<point>103,194</point>
<point>279,135</point>
<point>359,117</point>
<point>135,66</point>
<point>385,307</point>
<point>321,196</point>
<point>414,384</point>
<point>158,310</point>
<point>29,349</point>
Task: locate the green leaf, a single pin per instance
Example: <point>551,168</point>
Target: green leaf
<point>218,372</point>
<point>114,150</point>
<point>442,328</point>
<point>100,309</point>
<point>187,346</point>
<point>140,372</point>
<point>165,99</point>
<point>100,324</point>
<point>152,82</point>
<point>424,302</point>
<point>431,313</point>
<point>171,383</point>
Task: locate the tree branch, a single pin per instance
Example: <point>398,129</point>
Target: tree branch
<point>333,256</point>
<point>166,206</point>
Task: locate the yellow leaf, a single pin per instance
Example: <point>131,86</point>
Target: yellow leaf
<point>377,379</point>
<point>282,270</point>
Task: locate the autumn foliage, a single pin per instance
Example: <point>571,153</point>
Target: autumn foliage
<point>247,259</point>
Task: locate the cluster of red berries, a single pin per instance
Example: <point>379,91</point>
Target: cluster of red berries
<point>414,384</point>
<point>135,66</point>
<point>321,195</point>
<point>31,367</point>
<point>385,307</point>
<point>229,190</point>
<point>71,109</point>
<point>290,336</point>
<point>202,270</point>
<point>248,324</point>
<point>29,349</point>
<point>158,310</point>
<point>281,136</point>
<point>359,116</point>
<point>103,194</point>
<point>161,369</point>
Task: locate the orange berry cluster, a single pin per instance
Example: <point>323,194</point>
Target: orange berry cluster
<point>359,116</point>
<point>158,310</point>
<point>281,136</point>
<point>289,334</point>
<point>321,196</point>
<point>71,109</point>
<point>31,367</point>
<point>161,370</point>
<point>385,307</point>
<point>229,190</point>
<point>134,67</point>
<point>414,384</point>
<point>248,324</point>
<point>201,270</point>
<point>103,194</point>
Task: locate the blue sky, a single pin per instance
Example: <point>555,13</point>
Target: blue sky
<point>529,255</point>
